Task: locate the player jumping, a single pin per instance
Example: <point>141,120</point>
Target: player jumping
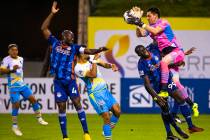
<point>62,61</point>
<point>99,95</point>
<point>12,65</point>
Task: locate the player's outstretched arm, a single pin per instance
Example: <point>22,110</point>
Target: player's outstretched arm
<point>107,65</point>
<point>140,32</point>
<point>94,51</point>
<point>4,70</point>
<point>160,101</point>
<point>45,25</point>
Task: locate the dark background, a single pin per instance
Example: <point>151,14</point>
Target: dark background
<point>21,20</point>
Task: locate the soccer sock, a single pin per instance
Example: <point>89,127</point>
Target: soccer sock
<point>36,109</point>
<point>164,72</point>
<point>166,123</point>
<point>175,108</point>
<point>113,121</point>
<point>82,118</point>
<point>107,131</point>
<point>14,117</point>
<point>63,122</point>
<point>186,113</point>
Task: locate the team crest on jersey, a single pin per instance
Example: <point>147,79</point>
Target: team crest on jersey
<point>63,51</point>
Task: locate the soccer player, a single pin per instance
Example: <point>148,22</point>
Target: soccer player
<point>99,95</point>
<point>12,65</point>
<point>161,32</point>
<point>62,62</point>
<point>149,69</point>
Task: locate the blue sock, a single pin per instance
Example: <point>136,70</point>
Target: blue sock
<point>166,122</point>
<point>82,118</point>
<point>175,108</point>
<point>186,113</point>
<point>14,117</point>
<point>36,109</point>
<point>63,122</point>
<point>113,121</point>
<point>107,131</point>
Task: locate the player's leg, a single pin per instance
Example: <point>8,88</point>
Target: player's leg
<point>76,100</point>
<point>106,127</point>
<point>171,58</point>
<point>184,93</point>
<point>185,112</point>
<point>99,104</point>
<point>166,117</point>
<point>113,106</point>
<point>115,115</point>
<point>27,94</point>
<point>15,100</point>
<point>60,99</point>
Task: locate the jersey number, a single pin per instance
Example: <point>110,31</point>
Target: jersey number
<point>74,90</point>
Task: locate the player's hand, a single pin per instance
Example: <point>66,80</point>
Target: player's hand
<point>54,8</point>
<point>160,101</point>
<point>15,67</point>
<point>102,49</point>
<point>114,67</point>
<point>190,51</point>
<point>137,12</point>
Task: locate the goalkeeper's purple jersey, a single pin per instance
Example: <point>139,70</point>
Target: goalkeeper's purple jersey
<point>165,38</point>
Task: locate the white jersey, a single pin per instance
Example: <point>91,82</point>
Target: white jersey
<point>93,84</point>
<point>14,79</point>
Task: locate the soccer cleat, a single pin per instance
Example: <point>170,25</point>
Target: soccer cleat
<point>42,121</point>
<point>178,120</point>
<point>17,131</point>
<point>195,110</point>
<point>66,139</point>
<point>87,136</point>
<point>172,138</point>
<point>195,129</point>
<point>163,94</point>
<point>183,135</point>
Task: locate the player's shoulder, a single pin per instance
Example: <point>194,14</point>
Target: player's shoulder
<point>20,58</point>
<point>7,58</point>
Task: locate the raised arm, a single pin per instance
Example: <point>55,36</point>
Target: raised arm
<point>45,25</point>
<point>140,32</point>
<point>94,51</point>
<point>107,65</point>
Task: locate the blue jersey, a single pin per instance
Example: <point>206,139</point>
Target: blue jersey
<point>151,68</point>
<point>153,48</point>
<point>63,60</point>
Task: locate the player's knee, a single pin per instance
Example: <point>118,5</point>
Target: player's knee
<point>106,117</point>
<point>32,99</point>
<point>61,107</point>
<point>77,103</point>
<point>117,111</point>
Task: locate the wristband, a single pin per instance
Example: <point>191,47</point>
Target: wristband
<point>155,99</point>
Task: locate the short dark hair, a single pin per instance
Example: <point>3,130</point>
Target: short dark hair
<point>138,48</point>
<point>154,10</point>
<point>12,45</point>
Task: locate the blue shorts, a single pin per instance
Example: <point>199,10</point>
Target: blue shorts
<point>64,89</point>
<point>15,93</point>
<point>102,101</point>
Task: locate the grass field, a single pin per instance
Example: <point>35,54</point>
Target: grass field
<point>132,127</point>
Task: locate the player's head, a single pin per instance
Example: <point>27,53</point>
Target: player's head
<point>13,50</point>
<point>142,51</point>
<point>68,36</point>
<point>153,14</point>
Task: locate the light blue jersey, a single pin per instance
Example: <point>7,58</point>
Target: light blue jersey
<point>15,79</point>
<point>100,97</point>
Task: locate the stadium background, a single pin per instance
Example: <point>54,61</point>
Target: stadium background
<point>105,26</point>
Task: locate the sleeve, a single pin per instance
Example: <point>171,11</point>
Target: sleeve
<point>163,24</point>
<point>141,69</point>
<point>4,63</point>
<point>52,40</point>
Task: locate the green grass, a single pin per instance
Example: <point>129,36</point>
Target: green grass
<point>132,127</point>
